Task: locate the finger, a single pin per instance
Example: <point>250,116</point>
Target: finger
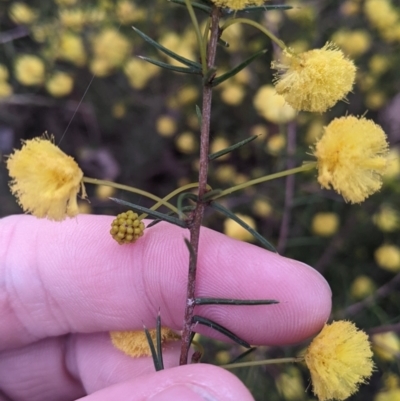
<point>73,277</point>
<point>71,366</point>
<point>198,382</point>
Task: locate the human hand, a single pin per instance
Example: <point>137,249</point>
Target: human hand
<point>64,286</point>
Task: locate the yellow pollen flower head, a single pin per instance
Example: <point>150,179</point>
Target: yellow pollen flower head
<point>339,360</point>
<point>387,257</point>
<point>29,70</point>
<point>60,84</point>
<point>325,224</point>
<point>135,344</point>
<point>352,156</point>
<point>126,228</point>
<point>315,80</point>
<point>237,4</point>
<point>45,180</point>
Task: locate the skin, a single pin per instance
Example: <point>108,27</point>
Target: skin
<point>63,286</point>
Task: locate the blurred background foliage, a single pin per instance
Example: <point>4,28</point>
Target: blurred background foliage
<point>70,68</point>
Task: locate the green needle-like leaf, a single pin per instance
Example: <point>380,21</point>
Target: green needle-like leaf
<point>281,7</point>
<point>226,301</point>
<point>152,213</point>
<point>199,115</point>
<point>183,70</point>
<point>209,323</point>
<point>233,147</point>
<point>159,342</point>
<point>216,81</point>
<point>156,361</point>
<point>199,6</point>
<point>168,52</point>
<point>181,198</point>
<point>253,232</point>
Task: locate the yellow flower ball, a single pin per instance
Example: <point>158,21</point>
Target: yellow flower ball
<point>5,89</point>
<point>275,144</point>
<point>339,359</point>
<point>21,13</point>
<point>315,80</point>
<point>29,70</point>
<point>314,131</point>
<point>290,384</point>
<point>45,180</point>
<point>381,13</point>
<point>71,49</point>
<point>166,126</point>
<point>3,72</point>
<point>60,84</point>
<point>379,64</point>
<point>362,287</point>
<point>388,395</point>
<point>353,43</point>
<point>187,143</point>
<point>128,12</point>
<point>140,72</point>
<point>262,208</point>
<point>103,192</point>
<point>325,224</point>
<point>234,230</point>
<point>237,4</point>
<point>393,168</point>
<point>375,100</point>
<point>351,157</point>
<point>135,344</point>
<point>233,94</point>
<point>387,219</point>
<point>386,345</point>
<point>127,228</point>
<point>72,18</point>
<point>272,106</point>
<point>111,47</point>
<point>387,257</point>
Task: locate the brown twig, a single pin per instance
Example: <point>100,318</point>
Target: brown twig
<point>203,172</point>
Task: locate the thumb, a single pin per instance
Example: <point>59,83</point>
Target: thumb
<point>197,382</point>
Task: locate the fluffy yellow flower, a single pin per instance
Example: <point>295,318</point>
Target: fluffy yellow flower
<point>112,46</point>
<point>388,257</point>
<point>135,344</point>
<point>354,43</point>
<point>315,80</point>
<point>387,219</point>
<point>45,180</point>
<point>386,345</point>
<point>29,70</point>
<point>72,49</point>
<point>352,156</point>
<point>325,224</point>
<point>21,13</point>
<point>237,4</point>
<point>339,359</point>
<point>362,287</point>
<point>60,84</point>
<point>272,106</point>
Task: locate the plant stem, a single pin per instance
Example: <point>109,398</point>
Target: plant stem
<point>131,189</point>
<point>263,362</point>
<point>203,171</point>
<point>200,41</point>
<point>304,167</point>
<point>264,30</point>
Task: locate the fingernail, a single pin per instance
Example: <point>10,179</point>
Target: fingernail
<point>181,392</point>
